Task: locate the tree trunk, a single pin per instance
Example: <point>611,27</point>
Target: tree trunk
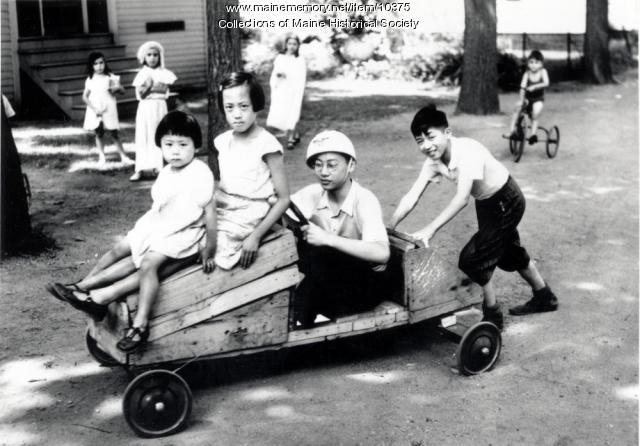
<point>223,51</point>
<point>479,88</point>
<point>15,222</point>
<point>597,63</point>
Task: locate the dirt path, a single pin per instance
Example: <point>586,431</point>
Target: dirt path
<point>565,378</point>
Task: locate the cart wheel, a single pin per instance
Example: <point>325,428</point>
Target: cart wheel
<point>103,358</point>
<point>553,141</point>
<point>516,144</point>
<point>479,348</point>
<point>157,403</point>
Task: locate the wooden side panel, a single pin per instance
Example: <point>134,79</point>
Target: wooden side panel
<point>224,302</point>
<point>258,324</point>
<point>193,285</point>
<point>431,280</point>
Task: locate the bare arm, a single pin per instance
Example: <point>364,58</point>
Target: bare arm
<point>374,252</point>
<point>86,100</point>
<point>207,254</point>
<point>251,243</point>
<point>457,203</point>
<point>411,198</point>
<point>523,85</point>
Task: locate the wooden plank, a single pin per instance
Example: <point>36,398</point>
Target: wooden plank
<point>259,324</point>
<point>320,332</point>
<point>375,321</point>
<point>193,285</point>
<point>435,310</point>
<point>107,338</point>
<point>432,280</point>
<point>239,296</point>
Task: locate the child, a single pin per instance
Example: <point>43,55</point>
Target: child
<point>102,109</point>
<point>181,223</point>
<point>252,193</point>
<point>534,81</point>
<point>345,244</point>
<point>499,208</point>
<point>152,89</point>
<point>287,90</point>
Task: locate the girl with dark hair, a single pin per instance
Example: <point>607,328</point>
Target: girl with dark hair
<point>102,109</point>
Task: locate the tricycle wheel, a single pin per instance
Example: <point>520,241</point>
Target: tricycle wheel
<point>479,348</point>
<point>103,358</point>
<point>516,141</point>
<point>157,403</point>
<point>553,141</point>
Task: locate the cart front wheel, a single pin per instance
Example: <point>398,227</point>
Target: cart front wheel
<point>157,403</point>
<point>103,358</point>
<point>553,141</point>
<point>479,348</point>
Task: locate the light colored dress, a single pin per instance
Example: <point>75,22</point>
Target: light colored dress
<point>245,192</point>
<point>101,98</point>
<point>287,91</point>
<point>174,226</point>
<point>150,112</point>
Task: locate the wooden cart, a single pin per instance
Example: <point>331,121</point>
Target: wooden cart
<point>229,313</point>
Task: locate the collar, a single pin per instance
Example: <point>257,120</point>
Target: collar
<point>348,204</point>
<point>453,162</point>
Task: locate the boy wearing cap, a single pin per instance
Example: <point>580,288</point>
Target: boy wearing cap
<point>345,245</point>
<point>499,208</point>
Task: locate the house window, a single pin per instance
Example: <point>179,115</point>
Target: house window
<point>161,27</point>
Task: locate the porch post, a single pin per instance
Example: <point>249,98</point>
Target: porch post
<point>85,17</point>
<point>15,60</point>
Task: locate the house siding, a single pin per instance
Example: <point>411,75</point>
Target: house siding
<point>8,84</point>
<point>185,51</point>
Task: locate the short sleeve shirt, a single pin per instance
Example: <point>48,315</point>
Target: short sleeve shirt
<point>359,217</point>
<point>470,159</point>
<point>243,170</point>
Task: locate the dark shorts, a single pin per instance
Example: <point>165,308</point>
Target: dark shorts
<point>497,242</point>
<point>335,284</point>
<point>100,131</point>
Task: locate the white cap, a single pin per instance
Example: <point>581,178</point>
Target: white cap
<point>330,141</point>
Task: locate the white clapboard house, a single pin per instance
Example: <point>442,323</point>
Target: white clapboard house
<point>49,41</point>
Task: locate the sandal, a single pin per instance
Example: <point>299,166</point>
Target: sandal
<point>51,288</point>
<point>135,338</point>
<point>291,145</point>
<point>137,176</point>
<point>95,310</point>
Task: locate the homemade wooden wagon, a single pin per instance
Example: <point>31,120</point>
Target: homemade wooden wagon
<point>242,311</point>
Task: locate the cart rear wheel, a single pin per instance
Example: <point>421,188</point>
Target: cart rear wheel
<point>157,403</point>
<point>102,357</point>
<point>553,141</point>
<point>479,348</point>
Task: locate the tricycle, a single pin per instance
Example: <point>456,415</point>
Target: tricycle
<point>200,316</point>
<point>521,134</point>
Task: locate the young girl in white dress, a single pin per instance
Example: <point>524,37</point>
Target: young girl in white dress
<point>152,89</point>
<point>102,109</point>
<point>287,90</point>
<point>252,193</point>
<point>180,224</point>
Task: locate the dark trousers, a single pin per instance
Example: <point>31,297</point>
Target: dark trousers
<point>335,284</point>
<point>497,242</point>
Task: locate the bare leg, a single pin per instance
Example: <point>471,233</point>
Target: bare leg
<point>514,118</point>
<point>536,109</point>
<point>116,140</point>
<point>116,290</point>
<point>489,295</point>
<point>119,251</point>
<point>149,284</point>
<point>532,276</point>
<point>100,145</point>
<point>108,275</point>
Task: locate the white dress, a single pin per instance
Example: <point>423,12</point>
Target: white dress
<point>150,112</point>
<point>102,99</point>
<point>174,226</point>
<point>286,91</point>
<point>245,192</point>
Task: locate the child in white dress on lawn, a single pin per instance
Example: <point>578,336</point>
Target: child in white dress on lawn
<point>180,224</point>
<point>152,90</point>
<point>252,193</point>
<point>102,109</point>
